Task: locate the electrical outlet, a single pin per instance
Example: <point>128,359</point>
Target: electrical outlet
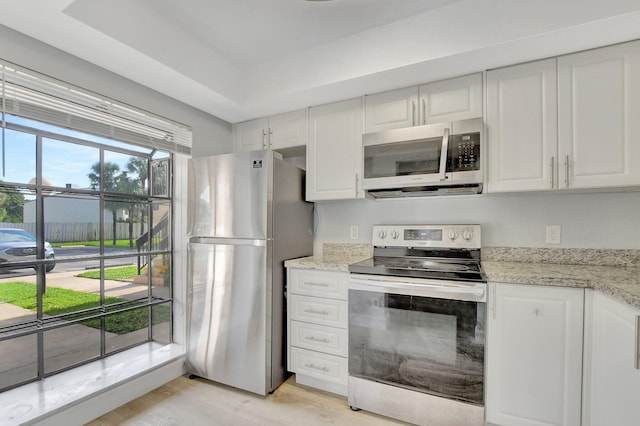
<point>553,234</point>
<point>354,232</point>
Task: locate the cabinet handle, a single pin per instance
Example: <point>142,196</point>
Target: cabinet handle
<point>357,181</point>
<point>264,134</point>
<point>315,339</point>
<point>413,113</point>
<point>424,112</point>
<point>566,170</point>
<point>317,284</point>
<point>553,160</point>
<point>637,354</point>
<point>269,138</point>
<point>315,367</point>
<point>313,311</point>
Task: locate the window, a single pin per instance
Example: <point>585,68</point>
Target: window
<point>85,231</point>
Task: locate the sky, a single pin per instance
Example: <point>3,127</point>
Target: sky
<point>63,163</point>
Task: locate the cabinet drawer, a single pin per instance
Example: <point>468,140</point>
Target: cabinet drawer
<point>325,367</point>
<point>318,311</point>
<point>329,340</point>
<point>311,282</point>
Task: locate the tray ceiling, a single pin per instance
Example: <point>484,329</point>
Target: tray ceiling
<point>239,59</point>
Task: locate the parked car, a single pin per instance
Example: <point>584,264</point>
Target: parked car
<point>17,245</point>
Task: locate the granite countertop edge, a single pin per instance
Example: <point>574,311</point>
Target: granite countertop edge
<point>619,282</point>
<point>327,263</point>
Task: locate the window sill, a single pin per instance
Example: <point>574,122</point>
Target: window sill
<point>36,402</point>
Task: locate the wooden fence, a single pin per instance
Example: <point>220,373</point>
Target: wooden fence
<point>67,232</point>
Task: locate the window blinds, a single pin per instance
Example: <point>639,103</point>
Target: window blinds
<point>31,95</point>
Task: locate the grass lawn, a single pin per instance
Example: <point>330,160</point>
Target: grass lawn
<point>58,301</point>
<point>109,243</point>
<point>123,273</point>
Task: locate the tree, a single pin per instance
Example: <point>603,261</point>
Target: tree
<point>11,207</point>
<point>138,168</point>
<point>110,182</point>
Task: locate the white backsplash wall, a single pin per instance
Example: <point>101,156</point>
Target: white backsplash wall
<point>603,220</point>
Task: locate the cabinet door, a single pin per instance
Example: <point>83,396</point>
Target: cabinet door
<point>522,127</point>
<point>391,110</point>
<point>534,355</point>
<point>454,99</point>
<point>334,151</point>
<point>251,135</point>
<point>599,106</point>
<point>612,379</point>
<point>288,130</point>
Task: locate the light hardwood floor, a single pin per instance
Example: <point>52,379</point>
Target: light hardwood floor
<point>192,402</point>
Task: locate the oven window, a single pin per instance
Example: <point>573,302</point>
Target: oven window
<point>425,344</point>
<point>403,158</point>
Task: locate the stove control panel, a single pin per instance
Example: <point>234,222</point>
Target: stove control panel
<point>442,236</point>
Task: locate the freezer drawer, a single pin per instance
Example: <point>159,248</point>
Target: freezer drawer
<point>228,337</point>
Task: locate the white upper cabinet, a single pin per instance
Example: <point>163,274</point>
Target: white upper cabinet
<point>334,151</point>
<point>288,130</point>
<point>280,131</point>
<point>455,99</point>
<point>251,135</point>
<point>581,132</point>
<point>599,117</point>
<point>448,100</point>
<point>534,355</point>
<point>391,110</point>
<point>522,127</point>
<point>612,370</point>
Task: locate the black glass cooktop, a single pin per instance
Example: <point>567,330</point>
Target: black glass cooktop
<point>420,267</point>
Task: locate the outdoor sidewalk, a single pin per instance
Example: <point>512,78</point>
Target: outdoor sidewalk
<point>68,345</point>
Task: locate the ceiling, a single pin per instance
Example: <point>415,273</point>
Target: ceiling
<point>241,59</point>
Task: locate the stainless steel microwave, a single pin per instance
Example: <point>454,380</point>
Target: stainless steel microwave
<point>434,159</point>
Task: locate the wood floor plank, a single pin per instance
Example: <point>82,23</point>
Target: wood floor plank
<point>192,402</point>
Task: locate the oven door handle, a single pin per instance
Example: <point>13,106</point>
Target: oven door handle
<point>442,290</point>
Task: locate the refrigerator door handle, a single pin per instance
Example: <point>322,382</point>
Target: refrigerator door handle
<point>228,241</point>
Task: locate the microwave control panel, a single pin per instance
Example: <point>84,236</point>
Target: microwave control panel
<point>464,152</point>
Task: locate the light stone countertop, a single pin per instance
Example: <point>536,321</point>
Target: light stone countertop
<point>339,263</point>
<point>620,282</point>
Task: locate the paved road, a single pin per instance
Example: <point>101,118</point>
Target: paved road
<point>63,252</point>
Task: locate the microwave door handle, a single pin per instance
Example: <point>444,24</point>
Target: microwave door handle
<point>443,155</point>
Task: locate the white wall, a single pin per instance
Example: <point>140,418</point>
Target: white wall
<point>210,134</point>
<point>604,220</point>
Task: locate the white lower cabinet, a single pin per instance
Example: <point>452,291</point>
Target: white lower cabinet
<point>612,374</point>
<point>317,337</point>
<point>534,355</point>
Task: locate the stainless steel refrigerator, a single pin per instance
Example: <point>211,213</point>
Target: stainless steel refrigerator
<point>247,216</point>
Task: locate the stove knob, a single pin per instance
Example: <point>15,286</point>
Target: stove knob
<point>395,235</point>
<point>467,235</point>
<point>453,235</point>
<point>382,234</point>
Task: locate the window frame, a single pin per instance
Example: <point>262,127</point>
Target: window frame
<point>41,324</point>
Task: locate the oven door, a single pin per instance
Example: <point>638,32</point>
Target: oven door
<point>427,336</point>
